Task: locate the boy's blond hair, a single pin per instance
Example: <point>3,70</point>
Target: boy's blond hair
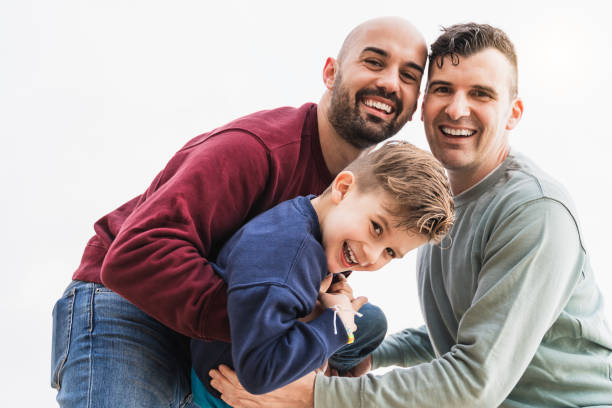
<point>418,195</point>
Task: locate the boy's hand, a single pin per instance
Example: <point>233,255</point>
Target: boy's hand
<point>345,305</point>
<point>341,286</point>
<point>325,283</point>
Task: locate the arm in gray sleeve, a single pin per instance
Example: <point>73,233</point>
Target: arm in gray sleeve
<point>405,349</point>
<point>532,262</point>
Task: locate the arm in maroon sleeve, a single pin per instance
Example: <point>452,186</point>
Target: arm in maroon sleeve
<point>159,258</point>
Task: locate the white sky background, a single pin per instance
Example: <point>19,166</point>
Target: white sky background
<point>95,97</point>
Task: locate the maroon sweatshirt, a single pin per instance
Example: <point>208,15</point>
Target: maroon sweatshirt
<point>154,249</point>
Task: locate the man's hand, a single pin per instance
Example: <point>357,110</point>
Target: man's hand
<point>298,394</point>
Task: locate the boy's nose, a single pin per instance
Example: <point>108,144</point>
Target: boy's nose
<point>373,253</point>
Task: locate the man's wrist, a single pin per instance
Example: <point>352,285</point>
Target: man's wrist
<point>306,391</point>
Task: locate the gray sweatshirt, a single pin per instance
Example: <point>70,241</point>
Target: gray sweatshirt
<point>513,315</point>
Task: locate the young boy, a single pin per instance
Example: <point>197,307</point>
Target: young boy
<point>383,205</point>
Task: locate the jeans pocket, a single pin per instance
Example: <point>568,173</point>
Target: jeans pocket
<point>62,326</point>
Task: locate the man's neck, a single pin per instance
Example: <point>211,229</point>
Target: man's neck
<point>337,152</point>
<point>463,179</point>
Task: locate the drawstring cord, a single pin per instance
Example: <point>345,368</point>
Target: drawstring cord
<point>337,309</point>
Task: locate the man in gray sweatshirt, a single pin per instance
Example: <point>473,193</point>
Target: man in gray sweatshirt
<point>513,316</point>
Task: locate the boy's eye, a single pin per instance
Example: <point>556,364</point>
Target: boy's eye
<point>377,228</point>
<point>390,252</point>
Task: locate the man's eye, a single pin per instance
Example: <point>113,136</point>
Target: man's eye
<point>373,62</point>
<point>441,90</point>
<point>390,252</point>
<point>482,94</point>
<point>407,76</point>
<point>377,228</point>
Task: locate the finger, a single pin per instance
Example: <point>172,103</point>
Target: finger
<point>343,284</point>
<point>326,282</point>
<point>230,375</point>
<point>341,287</point>
<point>358,302</point>
<point>220,383</point>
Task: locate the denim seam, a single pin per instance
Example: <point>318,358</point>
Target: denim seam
<point>91,312</point>
<point>69,330</point>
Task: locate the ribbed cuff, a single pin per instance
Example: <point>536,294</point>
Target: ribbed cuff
<point>324,327</point>
<point>332,392</point>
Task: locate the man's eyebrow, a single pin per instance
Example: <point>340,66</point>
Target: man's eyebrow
<point>385,54</point>
<point>445,83</point>
<point>376,50</point>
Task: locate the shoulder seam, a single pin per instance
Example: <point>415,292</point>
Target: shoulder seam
<point>547,198</point>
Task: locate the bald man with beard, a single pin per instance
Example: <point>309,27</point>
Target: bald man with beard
<point>144,286</point>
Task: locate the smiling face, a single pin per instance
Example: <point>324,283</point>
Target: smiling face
<point>375,82</point>
<point>467,111</point>
<point>358,232</point>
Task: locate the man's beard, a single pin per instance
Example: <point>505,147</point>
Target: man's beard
<point>348,123</point>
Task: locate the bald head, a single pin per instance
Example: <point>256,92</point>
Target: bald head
<point>372,87</point>
<point>375,27</point>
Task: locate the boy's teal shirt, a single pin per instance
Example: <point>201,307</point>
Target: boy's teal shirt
<point>513,315</point>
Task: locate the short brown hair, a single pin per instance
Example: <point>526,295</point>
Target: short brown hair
<point>464,40</point>
<point>416,183</point>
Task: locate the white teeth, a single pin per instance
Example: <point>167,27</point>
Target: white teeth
<point>348,252</point>
<point>458,132</point>
<point>378,105</point>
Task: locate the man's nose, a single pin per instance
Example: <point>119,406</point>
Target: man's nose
<point>458,106</point>
<point>388,79</point>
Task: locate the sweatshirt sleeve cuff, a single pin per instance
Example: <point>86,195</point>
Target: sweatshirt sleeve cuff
<point>324,328</point>
<point>377,358</point>
<point>337,391</point>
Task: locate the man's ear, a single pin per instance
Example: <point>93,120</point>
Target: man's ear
<point>515,114</point>
<point>414,108</point>
<point>341,185</point>
<point>329,72</point>
<point>423,104</point>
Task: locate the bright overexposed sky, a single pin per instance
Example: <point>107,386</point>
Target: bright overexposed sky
<point>96,96</point>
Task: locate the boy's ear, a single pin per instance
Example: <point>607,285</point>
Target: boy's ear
<point>341,185</point>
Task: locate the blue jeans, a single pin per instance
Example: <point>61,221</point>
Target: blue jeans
<point>371,331</point>
<point>108,353</point>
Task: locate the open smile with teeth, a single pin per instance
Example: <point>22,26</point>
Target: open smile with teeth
<point>349,256</point>
<point>457,132</point>
<point>381,106</point>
